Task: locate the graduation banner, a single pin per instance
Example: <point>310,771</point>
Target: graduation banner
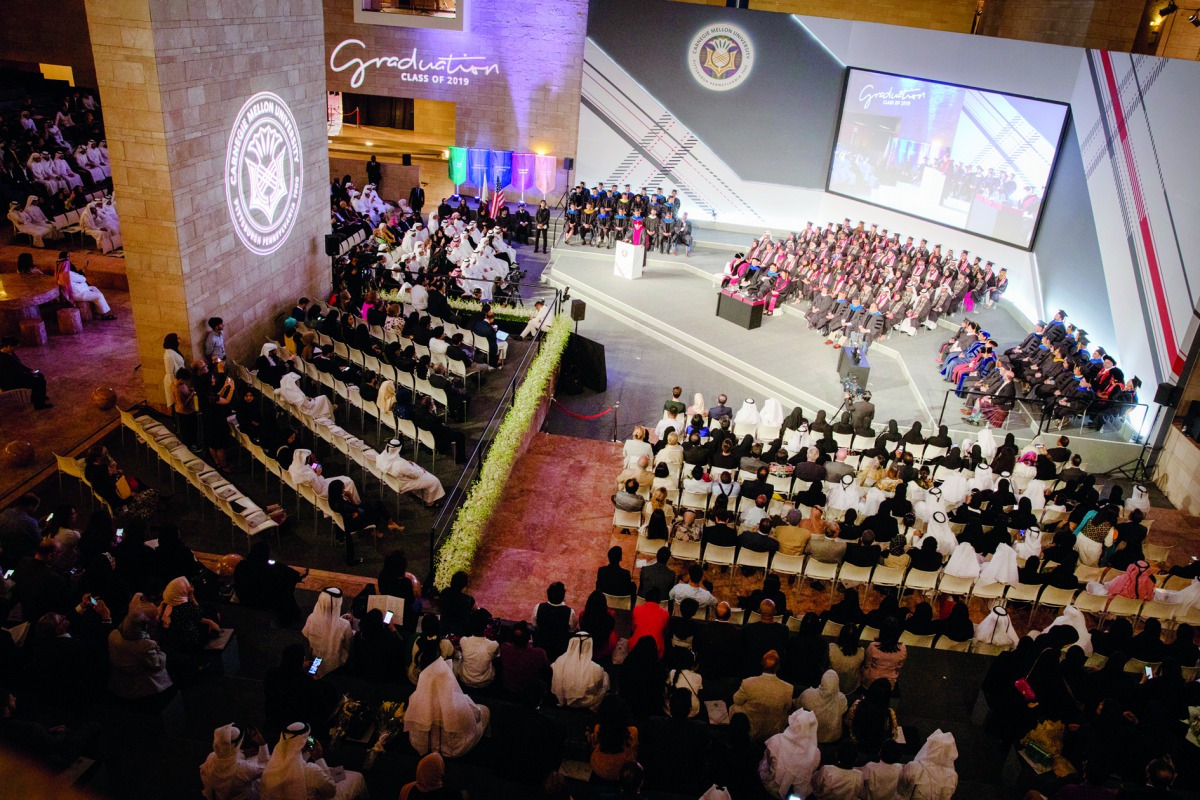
<point>458,165</point>
<point>546,174</point>
<point>501,168</point>
<point>523,167</point>
<point>479,167</point>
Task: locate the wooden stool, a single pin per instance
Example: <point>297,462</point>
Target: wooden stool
<point>69,322</point>
<point>85,310</point>
<point>33,333</point>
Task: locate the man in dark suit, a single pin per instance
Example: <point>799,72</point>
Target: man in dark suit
<point>717,646</point>
<point>612,578</point>
<point>681,234</point>
<point>658,575</point>
<point>15,375</point>
<point>374,173</point>
<point>720,409</point>
<point>759,541</point>
<point>416,198</point>
<point>1061,453</point>
<point>485,326</point>
<point>760,637</point>
<point>720,533</point>
<point>862,413</point>
<point>862,553</point>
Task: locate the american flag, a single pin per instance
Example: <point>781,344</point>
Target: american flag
<point>497,201</point>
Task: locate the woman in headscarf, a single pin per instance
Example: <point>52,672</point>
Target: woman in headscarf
<point>828,705</point>
<point>289,392</point>
<point>440,718</point>
<point>1117,637</point>
<point>1096,529</point>
<point>137,666</point>
<point>913,440</point>
<point>328,631</point>
<point>697,406</point>
<point>297,771</point>
<point>1005,459</point>
<point>885,656</point>
<point>1023,518</point>
<point>600,623</point>
<point>794,420</point>
<point>232,769</point>
<point>819,425</point>
<point>182,623</point>
<point>931,775</point>
<point>846,611</point>
<point>996,628</point>
<point>260,582</point>
<point>1136,583</point>
<point>641,678</point>
<point>921,623</point>
<point>431,773</point>
<point>871,722</point>
<point>957,626</point>
<point>578,681</point>
<point>791,757</point>
<point>886,442</point>
<point>614,741</point>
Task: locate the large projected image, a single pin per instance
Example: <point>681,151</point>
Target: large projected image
<point>975,160</point>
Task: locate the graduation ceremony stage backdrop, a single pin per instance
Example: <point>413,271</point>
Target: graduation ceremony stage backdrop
<point>738,110</point>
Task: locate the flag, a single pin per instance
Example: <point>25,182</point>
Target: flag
<point>497,201</point>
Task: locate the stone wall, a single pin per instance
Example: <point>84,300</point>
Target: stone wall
<point>1099,24</point>
<point>529,103</point>
<point>1177,471</point>
<point>48,33</point>
<point>173,75</point>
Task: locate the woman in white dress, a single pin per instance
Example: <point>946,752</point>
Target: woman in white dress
<point>791,757</point>
<point>232,770</point>
<point>328,631</point>
<point>297,771</point>
<point>410,477</point>
<point>289,391</point>
<point>577,680</point>
<point>305,471</point>
<point>440,717</point>
<point>931,775</point>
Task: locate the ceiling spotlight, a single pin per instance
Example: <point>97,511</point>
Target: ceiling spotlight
<point>1195,19</point>
<point>1169,9</point>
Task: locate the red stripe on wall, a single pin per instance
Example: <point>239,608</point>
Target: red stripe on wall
<point>1160,298</point>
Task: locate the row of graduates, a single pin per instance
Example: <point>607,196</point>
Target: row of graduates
<point>845,270</point>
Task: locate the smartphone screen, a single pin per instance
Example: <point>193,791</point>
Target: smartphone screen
<point>1149,672</point>
<point>8,573</point>
<point>92,600</point>
<point>316,665</point>
<point>387,618</point>
<point>120,535</point>
<point>271,561</point>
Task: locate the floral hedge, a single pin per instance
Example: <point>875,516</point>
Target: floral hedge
<point>458,551</point>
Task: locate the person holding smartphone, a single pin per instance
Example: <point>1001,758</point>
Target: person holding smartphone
<point>215,390</point>
<point>297,770</point>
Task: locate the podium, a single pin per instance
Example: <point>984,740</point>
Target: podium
<point>739,310</point>
<point>628,261</point>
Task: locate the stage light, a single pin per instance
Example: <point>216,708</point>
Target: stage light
<point>370,144</point>
<point>1169,9</point>
<point>1195,19</point>
<point>541,152</point>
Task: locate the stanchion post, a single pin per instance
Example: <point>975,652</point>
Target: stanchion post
<point>616,413</point>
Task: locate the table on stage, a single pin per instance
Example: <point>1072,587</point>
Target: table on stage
<point>20,296</point>
<point>736,309</point>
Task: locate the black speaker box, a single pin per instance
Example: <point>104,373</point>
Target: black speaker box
<point>1191,428</point>
<point>578,310</point>
<point>584,361</point>
<point>406,159</point>
<point>568,164</point>
<point>332,243</point>
<point>1165,395</point>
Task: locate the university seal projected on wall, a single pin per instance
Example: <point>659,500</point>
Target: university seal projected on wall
<point>720,57</point>
<point>264,173</point>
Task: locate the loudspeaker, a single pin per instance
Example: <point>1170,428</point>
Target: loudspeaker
<point>583,365</point>
<point>846,367</point>
<point>578,310</point>
<point>1191,428</point>
<point>332,243</point>
<point>406,159</point>
<point>568,164</point>
<point>1165,395</point>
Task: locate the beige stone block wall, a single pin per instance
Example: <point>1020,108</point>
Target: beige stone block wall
<point>1100,24</point>
<point>173,75</point>
<point>1177,471</point>
<point>36,32</point>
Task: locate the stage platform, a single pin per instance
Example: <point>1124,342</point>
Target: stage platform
<point>674,302</point>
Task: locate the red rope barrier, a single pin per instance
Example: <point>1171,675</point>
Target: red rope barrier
<point>580,416</point>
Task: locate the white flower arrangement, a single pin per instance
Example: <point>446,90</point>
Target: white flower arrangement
<point>458,551</point>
